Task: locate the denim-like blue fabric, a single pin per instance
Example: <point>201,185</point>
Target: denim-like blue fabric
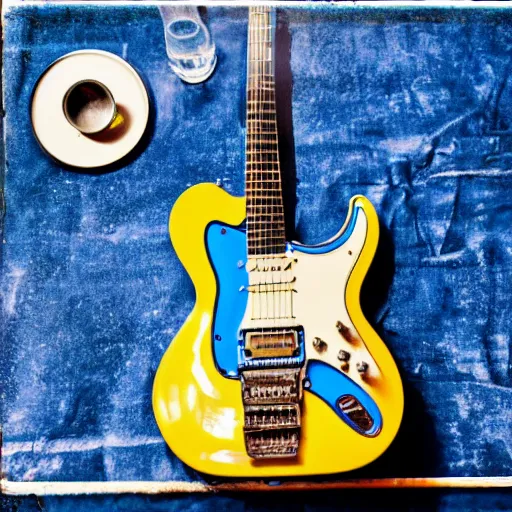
<point>409,107</point>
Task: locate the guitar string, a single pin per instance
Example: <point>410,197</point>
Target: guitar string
<point>252,144</point>
<point>259,174</point>
<point>261,234</point>
<point>273,165</point>
<point>267,79</point>
<point>270,73</point>
<point>269,40</point>
<point>257,126</point>
<point>268,231</point>
<point>268,46</point>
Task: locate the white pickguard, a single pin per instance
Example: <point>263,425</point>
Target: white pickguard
<point>317,302</point>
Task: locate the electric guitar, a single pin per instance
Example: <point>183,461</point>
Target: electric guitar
<point>276,371</point>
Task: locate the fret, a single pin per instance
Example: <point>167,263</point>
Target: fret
<point>261,98</point>
<point>254,154</point>
<point>263,227</point>
<point>261,178</point>
<point>264,210</point>
<point>261,86</point>
<point>263,215</point>
<point>269,59</point>
<point>261,102</point>
<point>259,202</point>
<point>261,223</point>
<point>259,123</point>
<point>268,236</point>
<point>260,173</point>
<point>260,137</point>
<point>272,217</point>
<point>258,179</point>
<point>261,209</point>
<point>268,244</point>
<point>270,207</point>
<point>263,201</point>
<point>262,151</point>
<point>258,167</point>
<point>254,150</point>
<point>268,239</point>
<point>271,121</point>
<point>259,149</point>
<point>259,89</point>
<point>261,141</point>
<point>266,105</point>
<point>264,230</point>
<point>258,182</point>
<point>270,193</point>
<point>254,194</point>
<point>263,197</point>
<point>259,158</point>
<point>258,247</point>
<point>269,185</point>
<point>271,170</point>
<point>262,126</point>
<point>254,124</point>
<point>264,193</point>
<point>273,214</point>
<point>258,205</point>
<point>259,108</point>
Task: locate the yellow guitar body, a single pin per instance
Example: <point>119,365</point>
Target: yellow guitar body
<point>200,412</point>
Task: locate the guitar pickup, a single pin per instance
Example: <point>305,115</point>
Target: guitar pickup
<point>271,343</point>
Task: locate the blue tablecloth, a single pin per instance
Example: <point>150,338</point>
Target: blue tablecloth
<point>410,107</point>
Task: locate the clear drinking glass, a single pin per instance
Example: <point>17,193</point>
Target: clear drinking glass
<point>190,47</point>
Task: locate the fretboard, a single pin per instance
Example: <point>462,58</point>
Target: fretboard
<point>265,215</point>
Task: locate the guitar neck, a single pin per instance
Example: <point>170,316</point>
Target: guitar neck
<point>265,214</point>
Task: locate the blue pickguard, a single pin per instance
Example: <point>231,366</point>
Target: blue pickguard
<point>226,246</point>
<point>330,384</point>
<point>227,249</point>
